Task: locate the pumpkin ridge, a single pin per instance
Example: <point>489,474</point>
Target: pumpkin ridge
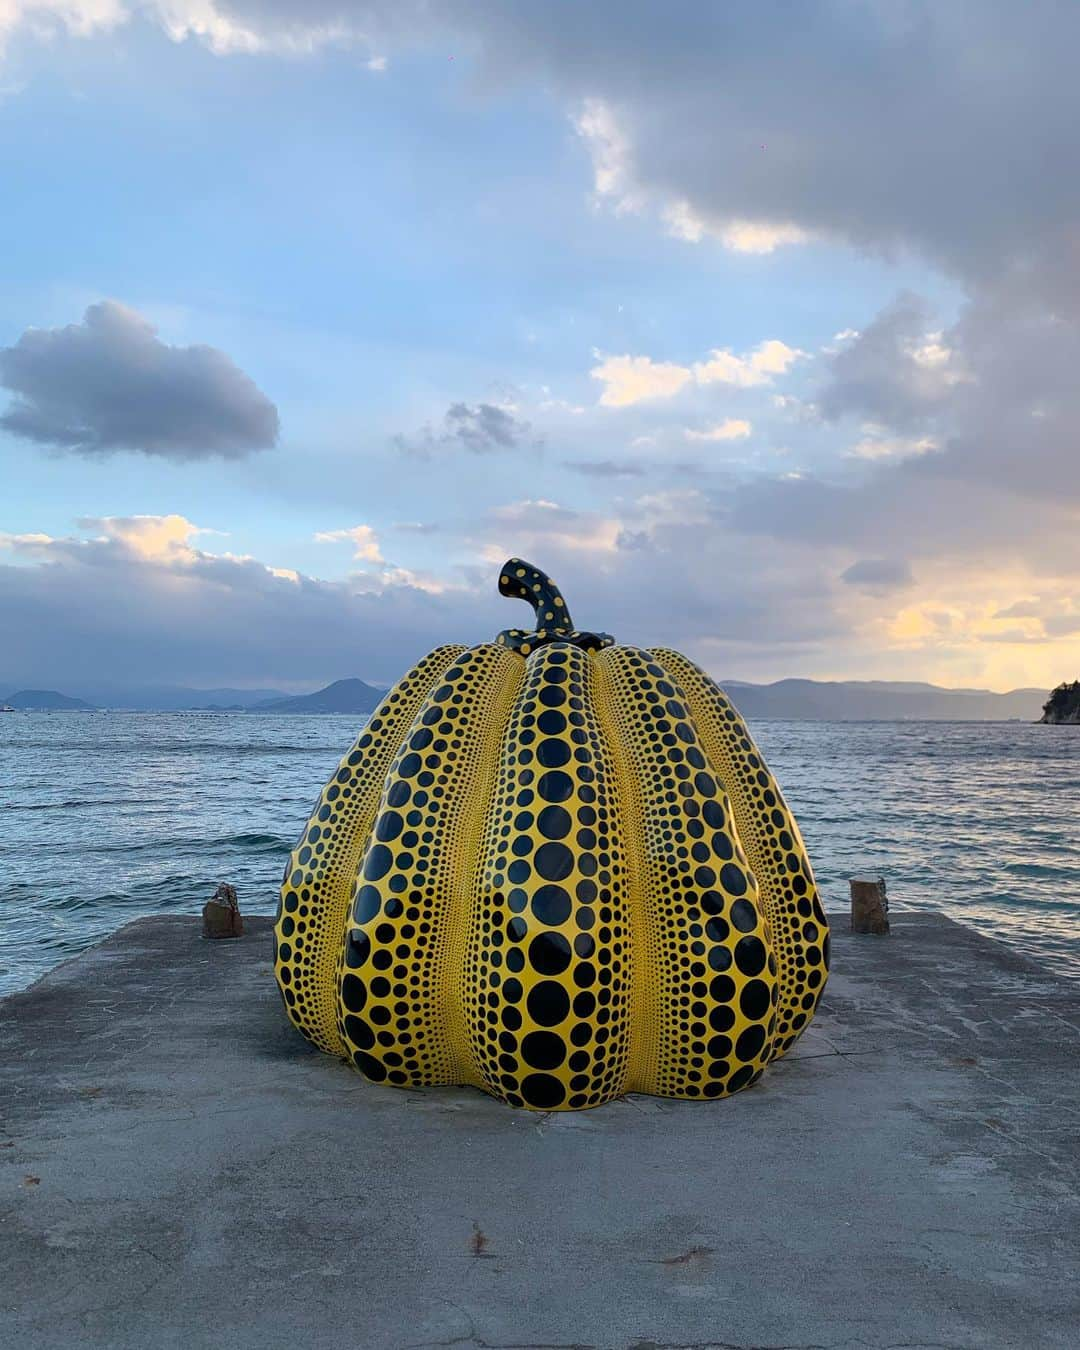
<point>547,966</point>
<point>393,984</point>
<point>644,1014</point>
<point>712,971</point>
<point>318,880</point>
<point>773,843</point>
<point>452,977</point>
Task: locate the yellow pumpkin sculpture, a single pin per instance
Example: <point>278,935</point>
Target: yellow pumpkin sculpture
<point>556,869</point>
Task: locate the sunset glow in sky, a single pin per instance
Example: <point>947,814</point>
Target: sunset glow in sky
<point>756,325</point>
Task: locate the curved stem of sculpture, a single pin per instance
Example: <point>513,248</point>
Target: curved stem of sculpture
<point>520,580</point>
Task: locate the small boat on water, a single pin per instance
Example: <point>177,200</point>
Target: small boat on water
<point>6,707</point>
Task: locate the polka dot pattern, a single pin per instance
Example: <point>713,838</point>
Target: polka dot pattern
<point>774,846</point>
<point>400,997</point>
<point>319,875</point>
<point>704,1001</point>
<point>548,961</point>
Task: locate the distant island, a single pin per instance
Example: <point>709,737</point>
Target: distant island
<point>343,696</point>
<point>45,700</point>
<point>1063,706</point>
<point>795,700</point>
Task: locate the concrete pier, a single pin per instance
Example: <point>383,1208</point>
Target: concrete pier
<point>178,1169</point>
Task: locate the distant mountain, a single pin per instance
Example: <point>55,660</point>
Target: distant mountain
<point>343,696</point>
<point>46,700</point>
<point>173,698</point>
<point>800,700</point>
<point>881,701</point>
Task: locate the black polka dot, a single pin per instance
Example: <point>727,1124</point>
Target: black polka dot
<point>716,930</point>
<point>744,916</point>
<point>548,1003</point>
<point>584,974</point>
<point>750,955</point>
<point>719,958</point>
<point>389,826</point>
<point>554,822</point>
<point>740,1078</point>
<point>552,754</point>
<point>378,862</point>
<point>369,1066</point>
<point>722,845</point>
<point>554,862</point>
<point>409,766</point>
<point>551,905</point>
<point>722,1018</point>
<point>733,879</point>
<point>541,1089</point>
<point>555,786</point>
<point>543,1050</point>
<point>754,999</point>
<point>353,994</point>
<point>359,1033</point>
<point>368,903</point>
<point>549,953</point>
<point>749,1044</point>
<point>722,989</point>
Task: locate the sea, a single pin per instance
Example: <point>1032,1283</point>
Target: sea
<point>105,817</point>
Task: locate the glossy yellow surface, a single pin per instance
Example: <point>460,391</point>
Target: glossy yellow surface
<point>559,874</point>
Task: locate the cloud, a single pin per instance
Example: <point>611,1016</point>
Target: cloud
<point>1020,609</point>
<point>604,468</point>
<point>193,616</point>
<point>738,122</point>
<point>740,236</point>
<point>363,538</point>
<point>731,429</point>
<point>480,428</point>
<point>637,379</point>
<point>217,24</point>
<point>897,372</point>
<point>615,178</point>
<point>537,522</point>
<point>878,574</point>
<point>758,367</point>
<point>109,383</point>
<point>877,445</point>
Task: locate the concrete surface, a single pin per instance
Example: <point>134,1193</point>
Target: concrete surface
<point>179,1169</point>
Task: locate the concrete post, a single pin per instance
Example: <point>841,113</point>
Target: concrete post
<point>221,914</point>
<point>869,906</point>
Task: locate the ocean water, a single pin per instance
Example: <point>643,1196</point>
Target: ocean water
<point>108,816</point>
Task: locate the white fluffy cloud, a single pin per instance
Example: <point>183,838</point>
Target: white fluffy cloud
<point>364,540</point>
<point>730,429</point>
<point>637,379</point>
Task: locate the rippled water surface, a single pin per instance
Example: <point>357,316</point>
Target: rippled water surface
<point>107,816</point>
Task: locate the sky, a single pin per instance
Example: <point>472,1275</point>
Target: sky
<point>756,326</point>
